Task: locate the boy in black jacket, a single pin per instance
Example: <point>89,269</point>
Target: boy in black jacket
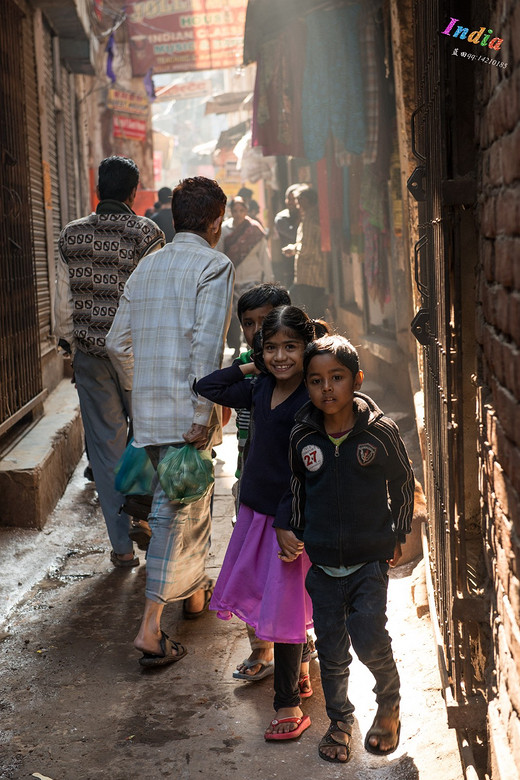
<point>352,504</point>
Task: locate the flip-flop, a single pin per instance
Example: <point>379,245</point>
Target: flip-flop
<point>329,741</point>
<point>304,691</point>
<point>377,731</point>
<point>171,653</point>
<point>303,723</point>
<point>265,671</point>
<point>208,593</point>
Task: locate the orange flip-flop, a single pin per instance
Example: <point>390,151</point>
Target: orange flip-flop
<point>303,723</point>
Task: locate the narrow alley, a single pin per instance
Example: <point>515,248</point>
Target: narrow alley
<point>77,706</point>
<point>364,156</point>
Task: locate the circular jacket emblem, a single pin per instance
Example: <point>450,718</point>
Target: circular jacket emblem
<point>366,454</point>
<point>312,457</point>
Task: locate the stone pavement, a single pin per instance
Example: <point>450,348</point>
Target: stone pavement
<point>76,705</point>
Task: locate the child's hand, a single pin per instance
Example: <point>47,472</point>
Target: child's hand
<point>397,555</point>
<point>290,545</point>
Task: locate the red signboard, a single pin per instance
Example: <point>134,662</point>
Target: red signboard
<point>128,127</point>
<point>173,36</point>
<point>187,89</point>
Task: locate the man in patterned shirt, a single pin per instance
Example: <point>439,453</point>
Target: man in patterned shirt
<point>170,329</point>
<point>97,254</point>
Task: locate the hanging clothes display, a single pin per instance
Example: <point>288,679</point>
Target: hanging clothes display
<point>374,223</point>
<point>332,101</point>
<point>278,93</point>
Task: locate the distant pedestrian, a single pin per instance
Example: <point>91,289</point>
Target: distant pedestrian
<point>170,329</point>
<point>311,278</point>
<point>163,214</point>
<point>256,583</point>
<point>97,254</point>
<point>286,224</point>
<point>351,505</point>
<point>244,241</point>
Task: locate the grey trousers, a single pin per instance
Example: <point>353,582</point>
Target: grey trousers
<point>105,411</point>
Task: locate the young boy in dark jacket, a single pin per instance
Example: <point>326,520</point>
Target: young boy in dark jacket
<point>352,504</point>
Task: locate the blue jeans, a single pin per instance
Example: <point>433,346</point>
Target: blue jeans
<point>352,610</point>
<point>105,411</point>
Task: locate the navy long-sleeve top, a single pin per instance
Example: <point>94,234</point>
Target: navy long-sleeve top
<point>266,475</point>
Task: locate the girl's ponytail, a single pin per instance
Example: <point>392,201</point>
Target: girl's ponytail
<point>321,328</point>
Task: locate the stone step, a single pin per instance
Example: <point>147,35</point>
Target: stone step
<point>34,474</point>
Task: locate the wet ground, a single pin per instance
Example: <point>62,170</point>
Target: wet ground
<point>75,704</point>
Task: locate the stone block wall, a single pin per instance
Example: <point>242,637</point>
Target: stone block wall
<point>498,336</point>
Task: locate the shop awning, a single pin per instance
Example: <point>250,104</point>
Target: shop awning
<point>229,138</point>
<point>71,23</point>
<point>205,149</point>
<point>266,19</point>
<point>228,102</point>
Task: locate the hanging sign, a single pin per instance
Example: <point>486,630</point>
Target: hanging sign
<point>128,127</point>
<point>128,102</point>
<point>173,36</point>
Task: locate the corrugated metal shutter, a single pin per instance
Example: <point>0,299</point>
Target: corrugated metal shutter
<point>69,113</point>
<point>52,150</point>
<point>36,180</point>
<point>20,374</point>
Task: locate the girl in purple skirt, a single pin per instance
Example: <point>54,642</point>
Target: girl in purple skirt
<point>262,580</point>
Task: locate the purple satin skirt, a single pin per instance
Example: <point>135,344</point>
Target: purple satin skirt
<point>259,588</point>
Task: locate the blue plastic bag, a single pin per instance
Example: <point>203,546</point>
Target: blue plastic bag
<point>134,472</point>
<point>186,473</point>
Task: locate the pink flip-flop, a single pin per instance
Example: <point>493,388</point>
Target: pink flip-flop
<point>303,723</point>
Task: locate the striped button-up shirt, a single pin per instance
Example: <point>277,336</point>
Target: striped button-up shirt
<point>170,330</point>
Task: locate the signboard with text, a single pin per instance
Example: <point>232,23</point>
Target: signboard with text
<point>128,127</point>
<point>187,89</point>
<point>174,36</point>
<point>128,102</point>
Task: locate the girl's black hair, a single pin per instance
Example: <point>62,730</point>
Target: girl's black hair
<point>335,345</point>
<point>262,295</point>
<point>288,318</point>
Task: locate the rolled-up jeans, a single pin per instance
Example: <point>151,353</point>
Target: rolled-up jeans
<point>352,611</point>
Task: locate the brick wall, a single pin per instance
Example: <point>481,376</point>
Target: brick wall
<point>498,336</point>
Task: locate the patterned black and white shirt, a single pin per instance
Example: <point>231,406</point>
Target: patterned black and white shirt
<point>97,254</point>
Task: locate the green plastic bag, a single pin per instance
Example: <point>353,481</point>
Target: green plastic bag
<point>186,473</point>
<point>134,472</point>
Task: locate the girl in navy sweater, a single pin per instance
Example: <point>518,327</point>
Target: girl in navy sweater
<point>258,583</point>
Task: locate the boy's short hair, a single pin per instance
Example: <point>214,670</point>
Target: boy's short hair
<point>262,295</point>
<point>335,345</point>
<point>117,177</point>
<point>196,203</point>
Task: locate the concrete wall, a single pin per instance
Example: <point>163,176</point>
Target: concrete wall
<point>498,336</point>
